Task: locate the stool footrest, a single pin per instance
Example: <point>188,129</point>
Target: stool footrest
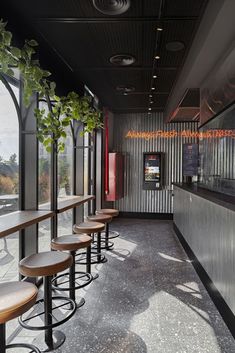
<point>103,247</point>
<point>67,301</point>
<point>80,274</point>
<point>112,234</point>
<point>83,260</point>
<point>24,345</point>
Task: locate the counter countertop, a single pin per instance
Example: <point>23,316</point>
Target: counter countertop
<point>223,200</point>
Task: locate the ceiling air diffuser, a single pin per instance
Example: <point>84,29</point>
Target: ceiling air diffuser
<point>112,7</point>
<point>122,60</point>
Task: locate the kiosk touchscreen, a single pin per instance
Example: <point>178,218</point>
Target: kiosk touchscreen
<point>153,170</point>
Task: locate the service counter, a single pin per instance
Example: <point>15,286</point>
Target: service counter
<point>206,220</point>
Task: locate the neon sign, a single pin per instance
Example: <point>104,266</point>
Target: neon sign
<point>147,135</point>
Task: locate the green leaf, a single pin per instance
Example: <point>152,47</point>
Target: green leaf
<point>32,43</point>
<point>16,52</point>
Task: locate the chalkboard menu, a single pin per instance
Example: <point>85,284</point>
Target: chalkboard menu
<point>190,159</point>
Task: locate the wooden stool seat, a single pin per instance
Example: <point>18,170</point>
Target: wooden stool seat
<point>108,211</point>
<point>88,227</point>
<point>71,242</point>
<point>15,299</point>
<point>104,218</point>
<point>45,264</point>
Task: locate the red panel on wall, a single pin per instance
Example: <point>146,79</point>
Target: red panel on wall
<point>116,177</point>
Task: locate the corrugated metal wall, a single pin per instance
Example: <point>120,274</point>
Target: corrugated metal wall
<point>137,199</point>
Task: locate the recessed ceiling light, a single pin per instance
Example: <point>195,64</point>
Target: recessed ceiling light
<point>154,76</point>
<point>150,95</point>
<point>150,108</point>
<point>157,57</point>
<point>112,7</point>
<point>125,93</point>
<point>153,88</point>
<point>159,29</point>
<point>151,102</point>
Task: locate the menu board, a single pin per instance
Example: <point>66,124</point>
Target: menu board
<point>152,176</point>
<point>190,159</point>
<point>151,167</point>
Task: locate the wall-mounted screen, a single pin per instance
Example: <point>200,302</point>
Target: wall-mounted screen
<point>153,170</point>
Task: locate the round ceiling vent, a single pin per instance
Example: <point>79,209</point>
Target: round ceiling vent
<point>175,46</point>
<point>112,7</point>
<point>122,60</point>
<point>123,89</point>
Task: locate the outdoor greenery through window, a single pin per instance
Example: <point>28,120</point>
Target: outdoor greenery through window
<point>9,180</point>
<point>65,166</point>
<point>44,167</point>
<point>9,151</point>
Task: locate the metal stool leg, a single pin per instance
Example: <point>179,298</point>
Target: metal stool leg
<point>4,347</point>
<point>106,235</point>
<point>2,338</point>
<point>88,263</point>
<point>99,247</point>
<point>88,259</point>
<point>72,277</point>
<point>48,311</point>
<point>53,339</point>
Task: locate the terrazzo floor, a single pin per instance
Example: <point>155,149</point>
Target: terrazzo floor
<point>148,298</point>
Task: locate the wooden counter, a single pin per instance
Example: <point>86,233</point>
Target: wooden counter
<point>18,220</point>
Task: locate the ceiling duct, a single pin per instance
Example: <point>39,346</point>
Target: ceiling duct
<point>112,7</point>
<point>189,107</point>
<point>125,89</point>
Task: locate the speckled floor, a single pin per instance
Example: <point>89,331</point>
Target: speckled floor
<point>148,298</point>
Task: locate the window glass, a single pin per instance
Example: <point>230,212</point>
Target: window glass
<point>9,180</point>
<point>44,192</point>
<point>44,172</point>
<point>65,167</point>
<point>9,151</point>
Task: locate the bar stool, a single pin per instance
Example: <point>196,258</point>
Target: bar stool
<point>47,264</point>
<point>113,213</point>
<point>90,228</point>
<point>15,299</point>
<point>106,219</point>
<point>72,243</point>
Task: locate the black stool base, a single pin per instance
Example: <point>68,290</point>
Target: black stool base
<point>58,339</point>
<point>80,303</point>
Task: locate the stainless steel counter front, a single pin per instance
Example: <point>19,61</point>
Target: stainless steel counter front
<point>209,230</point>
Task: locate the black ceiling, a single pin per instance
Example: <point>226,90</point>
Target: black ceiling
<point>81,40</point>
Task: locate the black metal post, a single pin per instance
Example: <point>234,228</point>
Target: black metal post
<point>48,311</point>
<point>88,259</point>
<point>54,190</point>
<point>107,235</point>
<point>2,338</point>
<point>54,181</point>
<point>72,277</point>
<point>99,247</point>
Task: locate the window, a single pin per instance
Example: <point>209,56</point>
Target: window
<point>9,179</point>
<point>9,151</point>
